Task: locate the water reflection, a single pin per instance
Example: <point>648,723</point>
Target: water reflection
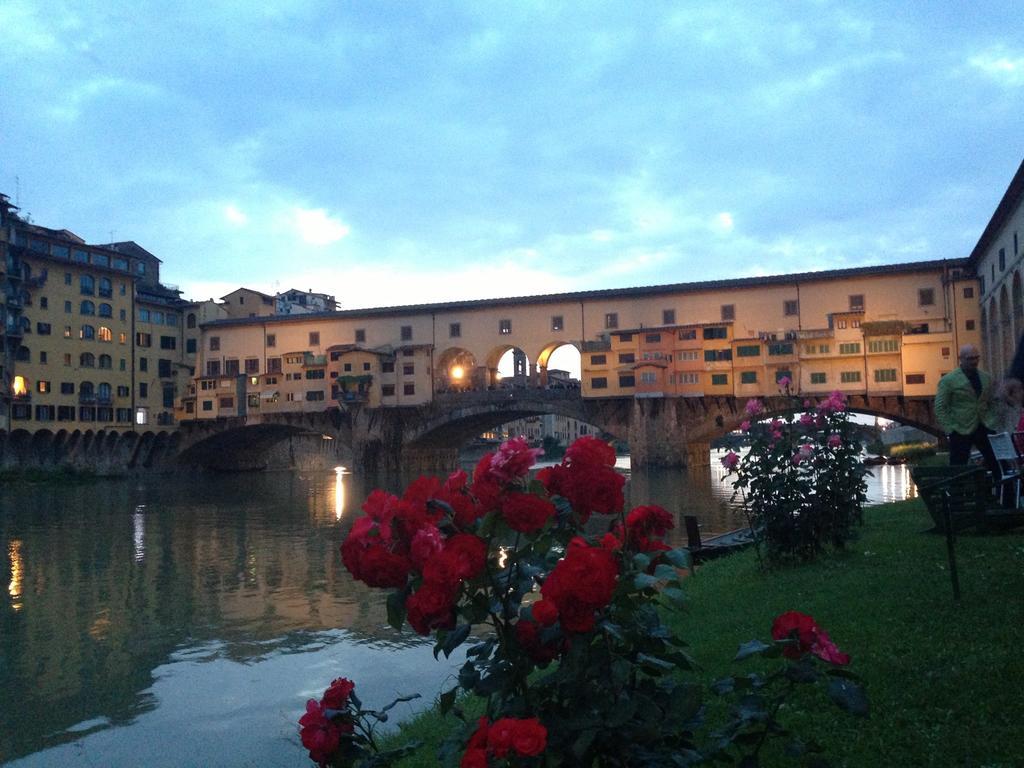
<point>14,588</point>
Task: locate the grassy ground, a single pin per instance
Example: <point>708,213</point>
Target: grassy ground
<point>945,679</point>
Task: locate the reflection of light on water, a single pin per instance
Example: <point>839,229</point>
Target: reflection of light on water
<point>100,627</point>
<point>502,556</point>
<point>17,570</point>
<point>339,492</point>
<point>139,532</point>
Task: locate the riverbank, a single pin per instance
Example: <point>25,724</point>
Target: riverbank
<point>943,678</point>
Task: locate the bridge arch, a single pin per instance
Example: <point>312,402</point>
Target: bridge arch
<point>240,447</point>
<point>457,371</point>
<point>1005,329</point>
<point>1017,294</point>
<point>549,350</point>
<point>520,369</point>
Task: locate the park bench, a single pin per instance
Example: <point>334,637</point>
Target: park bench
<point>963,495</point>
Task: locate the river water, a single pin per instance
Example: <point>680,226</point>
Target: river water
<point>184,621</point>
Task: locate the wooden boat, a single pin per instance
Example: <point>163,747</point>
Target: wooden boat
<point>716,546</point>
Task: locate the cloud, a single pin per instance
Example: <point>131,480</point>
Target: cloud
<point>317,228</point>
<point>1000,65</point>
<point>234,215</point>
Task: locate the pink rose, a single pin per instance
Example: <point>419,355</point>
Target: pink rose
<point>731,460</point>
<point>745,426</point>
<point>834,441</point>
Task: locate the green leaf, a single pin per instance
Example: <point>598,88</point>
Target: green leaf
<point>644,581</point>
<point>666,572</point>
<point>401,700</point>
<point>396,610</point>
<point>447,700</point>
<point>654,662</point>
<point>641,561</point>
<point>453,639</point>
<point>674,595</point>
<point>751,648</point>
<point>680,558</point>
<point>849,696</point>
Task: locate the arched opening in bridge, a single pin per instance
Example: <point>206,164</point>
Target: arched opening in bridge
<point>509,366</point>
<point>559,365</point>
<point>457,371</point>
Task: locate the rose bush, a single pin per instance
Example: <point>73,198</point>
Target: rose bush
<point>802,481</point>
<point>563,594</point>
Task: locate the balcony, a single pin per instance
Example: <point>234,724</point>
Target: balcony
<point>90,398</point>
<point>309,359</point>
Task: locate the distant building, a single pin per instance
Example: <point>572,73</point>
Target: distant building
<point>245,302</point>
<point>295,302</point>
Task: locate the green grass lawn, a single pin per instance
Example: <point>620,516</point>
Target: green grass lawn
<point>945,679</point>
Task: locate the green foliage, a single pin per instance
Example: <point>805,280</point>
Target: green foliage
<point>802,483</point>
<point>912,451</point>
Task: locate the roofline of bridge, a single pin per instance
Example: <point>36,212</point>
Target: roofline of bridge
<point>1000,216</point>
<point>602,294</point>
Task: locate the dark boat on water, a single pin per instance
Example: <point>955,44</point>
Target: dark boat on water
<point>716,546</point>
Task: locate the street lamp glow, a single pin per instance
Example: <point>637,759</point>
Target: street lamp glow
<point>457,372</point>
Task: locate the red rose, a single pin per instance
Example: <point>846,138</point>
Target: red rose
<point>809,636</point>
<point>529,737</point>
<point>474,758</point>
<point>425,544</point>
<point>588,487</point>
<point>479,738</point>
<point>500,735</point>
<point>373,564</point>
<point>545,612</point>
<point>581,583</point>
<point>525,512</point>
<point>430,607</point>
<point>528,637</point>
<point>336,696</point>
<point>463,557</point>
<point>590,450</point>
<point>319,735</point>
<point>512,460</point>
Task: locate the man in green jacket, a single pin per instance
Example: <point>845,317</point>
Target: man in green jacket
<point>963,406</point>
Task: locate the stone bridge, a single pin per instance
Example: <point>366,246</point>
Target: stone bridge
<point>660,431</point>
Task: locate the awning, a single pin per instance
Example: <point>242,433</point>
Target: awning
<point>269,395</point>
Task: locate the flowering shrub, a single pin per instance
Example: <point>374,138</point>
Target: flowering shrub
<point>802,481</point>
<point>536,572</point>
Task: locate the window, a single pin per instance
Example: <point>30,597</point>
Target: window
<point>67,358</point>
<point>123,390</point>
<point>855,323</point>
<point>190,346</point>
<point>144,316</point>
<point>648,377</point>
<point>143,340</point>
<point>823,349</point>
<point>689,378</point>
<point>213,367</point>
<point>717,355</point>
<point>748,377</point>
<point>841,324</point>
<point>611,320</point>
<point>716,332</point>
<point>885,374</point>
<point>207,405</point>
<point>67,278</point>
<point>361,335</point>
<point>849,377</point>
<point>388,366</point>
<point>172,319</point>
<point>67,307</point>
<point>819,378</point>
<point>43,302</point>
<point>143,389</point>
<point>87,360</point>
<point>406,333</point>
<point>214,343</point>
<point>366,366</point>
<point>627,380</point>
<point>314,338</point>
<point>43,329</point>
<point>689,354</point>
<point>1002,259</point>
<point>915,378</point>
<point>748,350</point>
<point>65,413</point>
<point>791,307</point>
<point>347,367</point>
<point>225,402</point>
<point>387,390</point>
<point>850,348</point>
<point>981,284</point>
<point>106,288</point>
<point>728,312</point>
<point>454,330</point>
<point>122,364</point>
<point>599,382</point>
<point>67,388</point>
<point>627,357</point>
<point>783,374</point>
<point>504,327</point>
<point>168,342</point>
<point>163,368</point>
<point>87,308</point>
<point>87,285</point>
<point>598,359</point>
<point>408,369</point>
<point>315,373</point>
<point>190,320</point>
<point>969,292</point>
<point>122,338</point>
<point>42,357</point>
<point>719,379</point>
<point>969,325</point>
<point>42,386</point>
<point>883,345</point>
<point>409,388</point>
<point>168,399</point>
<point>557,323</point>
<point>652,338</point>
<point>143,364</point>
<point>857,302</point>
<point>926,297</point>
<point>87,332</point>
<point>105,310</point>
<point>688,334</point>
<point>273,365</point>
<point>45,413</point>
<point>231,367</point>
<point>252,365</point>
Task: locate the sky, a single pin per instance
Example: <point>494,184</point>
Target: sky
<point>407,152</point>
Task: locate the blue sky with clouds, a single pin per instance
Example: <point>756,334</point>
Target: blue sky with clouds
<point>398,152</point>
